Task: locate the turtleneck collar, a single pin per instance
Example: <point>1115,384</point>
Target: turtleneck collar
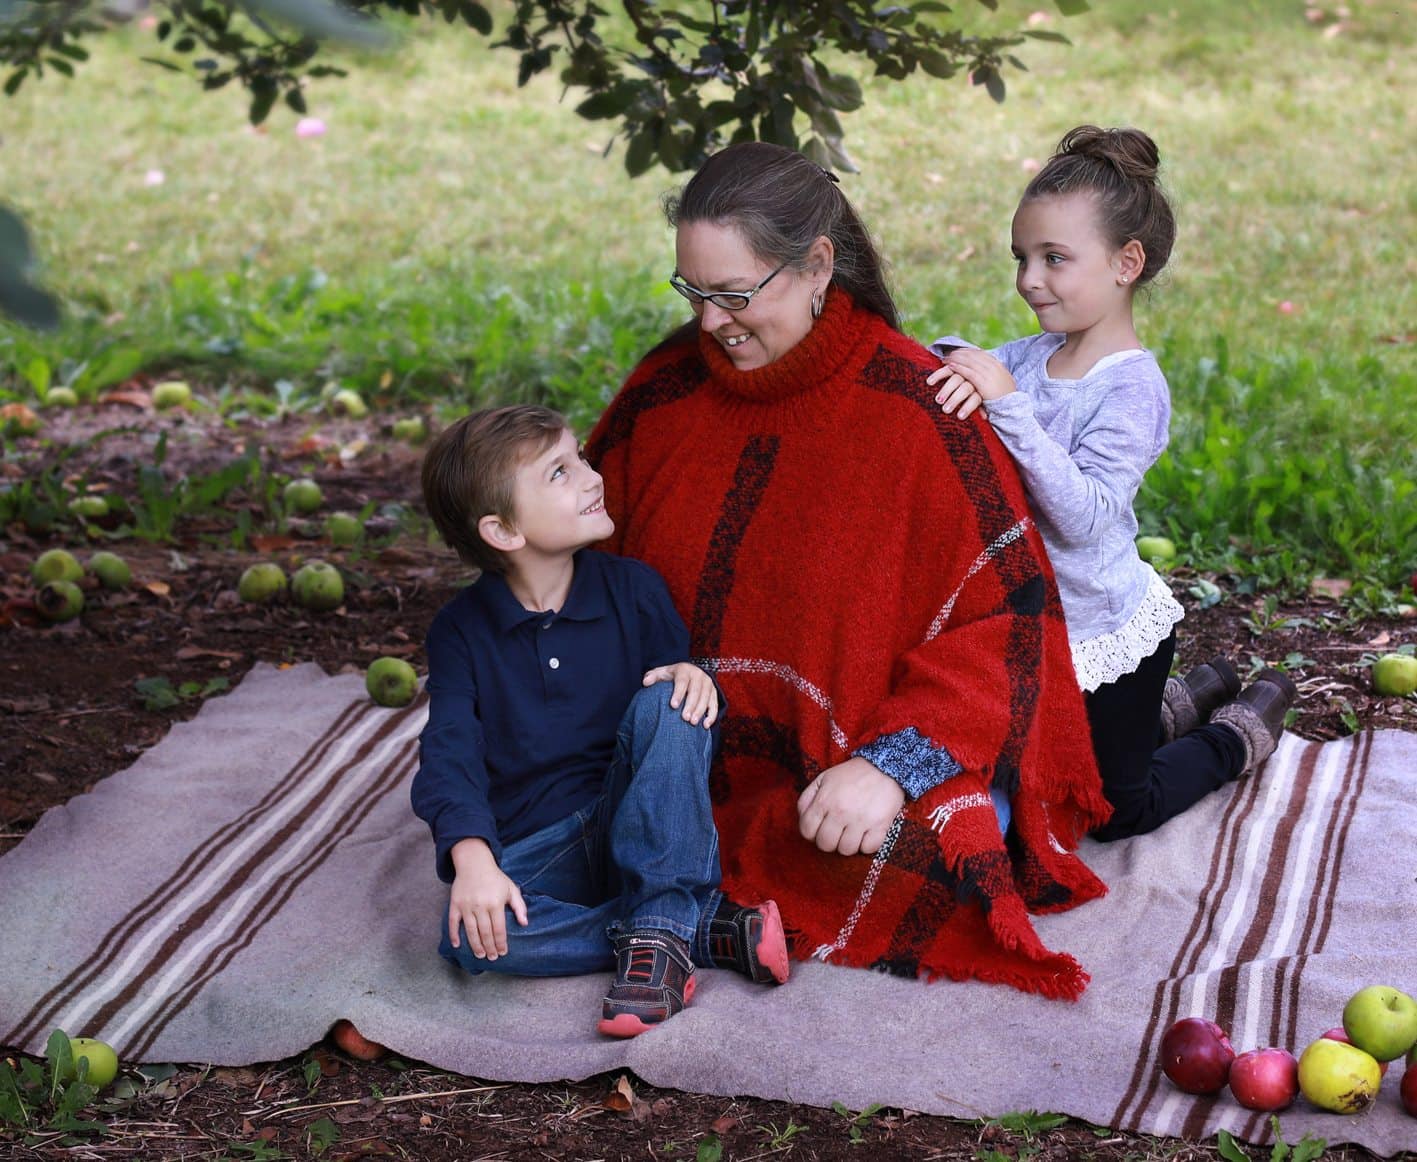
<point>817,358</point>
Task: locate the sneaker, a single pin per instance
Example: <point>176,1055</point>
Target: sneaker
<point>1189,702</point>
<point>750,941</point>
<point>1257,715</point>
<point>654,979</point>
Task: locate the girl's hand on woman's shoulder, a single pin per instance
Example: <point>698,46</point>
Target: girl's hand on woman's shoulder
<point>967,379</point>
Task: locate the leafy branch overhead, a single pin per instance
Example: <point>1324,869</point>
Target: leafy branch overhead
<point>680,81</point>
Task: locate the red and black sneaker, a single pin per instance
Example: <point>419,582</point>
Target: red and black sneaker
<point>750,941</point>
<point>654,979</point>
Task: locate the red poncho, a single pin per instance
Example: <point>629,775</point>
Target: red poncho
<point>852,562</point>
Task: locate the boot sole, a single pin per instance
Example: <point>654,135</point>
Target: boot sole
<point>629,1025</point>
<point>772,948</point>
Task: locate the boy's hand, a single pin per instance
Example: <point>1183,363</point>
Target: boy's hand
<point>849,808</point>
<point>481,895</point>
<point>693,690</point>
<point>968,378</point>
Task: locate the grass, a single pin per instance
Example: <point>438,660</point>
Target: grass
<point>453,239</point>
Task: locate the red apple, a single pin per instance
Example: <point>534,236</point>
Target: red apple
<point>353,1042</point>
<point>1196,1055</point>
<point>1341,1034</point>
<point>1265,1079</point>
<point>1408,1091</point>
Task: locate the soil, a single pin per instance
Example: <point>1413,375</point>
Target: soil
<point>71,714</point>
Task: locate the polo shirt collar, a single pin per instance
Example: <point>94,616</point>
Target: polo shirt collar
<point>585,602</point>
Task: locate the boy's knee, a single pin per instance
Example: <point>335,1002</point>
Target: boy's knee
<point>652,702</point>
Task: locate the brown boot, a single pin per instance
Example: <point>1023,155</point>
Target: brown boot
<point>1188,702</point>
<point>1257,715</point>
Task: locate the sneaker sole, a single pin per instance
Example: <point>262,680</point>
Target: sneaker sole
<point>772,948</point>
<point>629,1025</point>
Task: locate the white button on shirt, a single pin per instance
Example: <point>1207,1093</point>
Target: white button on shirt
<point>554,663</point>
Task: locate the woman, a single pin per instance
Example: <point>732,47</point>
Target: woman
<point>860,573</point>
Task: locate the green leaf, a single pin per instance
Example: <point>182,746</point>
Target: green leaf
<point>477,17</point>
<point>323,1133</point>
<point>1072,7</point>
<point>60,1055</point>
<point>1228,1148</point>
<point>710,1149</point>
<point>157,693</point>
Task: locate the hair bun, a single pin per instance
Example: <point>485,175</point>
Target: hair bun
<point>1130,152</point>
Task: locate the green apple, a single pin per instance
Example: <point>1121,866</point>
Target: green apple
<point>391,682</point>
<point>343,528</point>
<point>302,495</point>
<point>1381,1021</point>
<point>173,393</point>
<point>111,569</point>
<point>412,429</point>
<point>60,601</point>
<point>61,397</point>
<point>261,582</point>
<point>1338,1077</point>
<point>317,585</point>
<point>1156,548</point>
<point>103,1062</point>
<point>348,402</point>
<point>1395,675</point>
<point>91,504</point>
<point>56,565</point>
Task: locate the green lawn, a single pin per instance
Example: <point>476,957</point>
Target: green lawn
<point>454,238</point>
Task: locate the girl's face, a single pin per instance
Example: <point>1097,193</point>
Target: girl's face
<point>1068,272</point>
<point>711,258</point>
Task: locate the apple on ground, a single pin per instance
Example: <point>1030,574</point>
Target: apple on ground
<point>61,397</point>
<point>302,495</point>
<point>59,601</point>
<point>261,582</point>
<point>172,393</point>
<point>391,682</point>
<point>317,585</point>
<point>18,420</point>
<point>56,565</point>
<point>90,504</point>
<point>1196,1055</point>
<point>1381,1021</point>
<point>1395,675</point>
<point>348,402</point>
<point>103,1061</point>
<point>1338,1077</point>
<point>410,429</point>
<point>111,569</point>
<point>1156,548</point>
<point>1265,1079</point>
<point>1341,1034</point>
<point>343,528</point>
<point>353,1042</point>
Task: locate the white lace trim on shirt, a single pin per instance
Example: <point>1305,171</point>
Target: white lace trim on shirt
<point>1106,658</point>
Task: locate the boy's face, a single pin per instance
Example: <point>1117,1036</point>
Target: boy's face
<point>558,500</point>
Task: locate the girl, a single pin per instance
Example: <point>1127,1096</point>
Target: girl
<point>1084,409</point>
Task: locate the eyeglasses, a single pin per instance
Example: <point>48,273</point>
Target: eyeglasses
<point>728,300</point>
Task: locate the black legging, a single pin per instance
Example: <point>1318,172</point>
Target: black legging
<point>1147,783</point>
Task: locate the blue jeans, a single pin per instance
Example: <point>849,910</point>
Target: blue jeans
<point>643,855</point>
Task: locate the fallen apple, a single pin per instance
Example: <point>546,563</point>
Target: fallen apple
<point>1381,1021</point>
<point>18,420</point>
<point>103,1061</point>
<point>1196,1055</point>
<point>1338,1077</point>
<point>59,601</point>
<point>1395,675</point>
<point>302,495</point>
<point>261,582</point>
<point>1265,1079</point>
<point>56,565</point>
<point>61,397</point>
<point>411,429</point>
<point>172,393</point>
<point>1407,1091</point>
<point>111,569</point>
<point>348,402</point>
<point>343,528</point>
<point>1156,548</point>
<point>353,1042</point>
<point>317,585</point>
<point>1340,1034</point>
<point>391,682</point>
<point>90,504</point>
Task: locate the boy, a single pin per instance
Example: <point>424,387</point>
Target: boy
<point>589,822</point>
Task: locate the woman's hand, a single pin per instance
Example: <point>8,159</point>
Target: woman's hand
<point>968,378</point>
<point>849,808</point>
<point>693,690</point>
<point>482,893</point>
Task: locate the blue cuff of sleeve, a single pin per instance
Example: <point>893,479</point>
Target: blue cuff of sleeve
<point>911,759</point>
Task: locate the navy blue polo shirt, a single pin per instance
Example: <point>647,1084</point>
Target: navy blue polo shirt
<point>524,706</point>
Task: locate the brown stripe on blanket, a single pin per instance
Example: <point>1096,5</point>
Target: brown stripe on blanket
<point>269,905</point>
<point>1142,1086</point>
<point>248,872</point>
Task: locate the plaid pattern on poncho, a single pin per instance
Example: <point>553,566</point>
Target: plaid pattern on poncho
<point>852,562</point>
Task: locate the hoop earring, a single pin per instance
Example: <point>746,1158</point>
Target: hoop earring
<point>818,302</point>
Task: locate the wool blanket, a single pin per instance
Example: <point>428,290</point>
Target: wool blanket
<point>258,875</point>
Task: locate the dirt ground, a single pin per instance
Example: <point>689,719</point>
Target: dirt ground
<point>70,715</point>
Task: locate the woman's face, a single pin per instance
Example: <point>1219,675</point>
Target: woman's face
<point>713,258</point>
